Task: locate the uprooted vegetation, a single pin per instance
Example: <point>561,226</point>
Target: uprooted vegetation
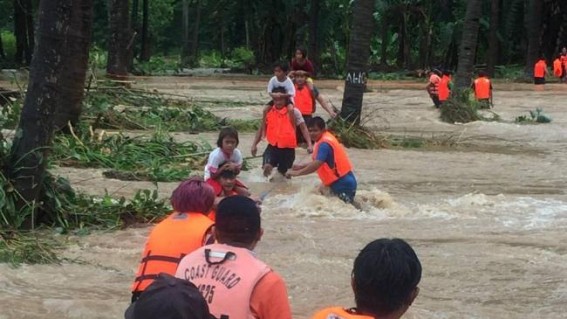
<point>534,117</point>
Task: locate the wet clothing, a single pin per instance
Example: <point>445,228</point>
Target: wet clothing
<point>557,68</point>
<point>282,158</point>
<point>218,157</point>
<point>339,313</point>
<point>336,171</point>
<point>482,87</point>
<point>235,283</point>
<point>444,89</point>
<point>280,129</point>
<point>170,240</point>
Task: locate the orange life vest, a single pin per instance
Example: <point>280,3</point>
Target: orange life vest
<point>226,276</point>
<point>435,80</point>
<point>563,59</point>
<point>444,88</point>
<point>304,101</point>
<point>338,313</point>
<point>482,88</point>
<point>342,163</point>
<point>557,68</point>
<point>539,69</point>
<point>280,130</point>
<point>170,240</point>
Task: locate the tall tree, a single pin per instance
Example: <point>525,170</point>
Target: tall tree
<point>35,130</point>
<point>76,56</point>
<point>469,42</point>
<point>2,54</point>
<point>313,31</point>
<point>145,51</point>
<point>24,31</point>
<point>534,35</point>
<point>357,59</point>
<point>120,39</point>
<point>493,38</point>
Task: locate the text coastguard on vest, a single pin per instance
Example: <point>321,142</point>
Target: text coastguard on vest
<point>342,163</point>
<point>226,276</point>
<point>482,88</point>
<point>168,243</point>
<point>280,131</point>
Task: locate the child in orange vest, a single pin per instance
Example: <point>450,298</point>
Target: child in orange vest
<point>384,280</point>
<point>433,86</point>
<point>279,127</point>
<point>540,71</point>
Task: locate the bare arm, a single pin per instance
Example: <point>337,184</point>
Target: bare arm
<point>305,133</point>
<point>310,168</point>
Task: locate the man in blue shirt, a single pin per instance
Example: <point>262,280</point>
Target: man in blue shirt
<point>330,161</point>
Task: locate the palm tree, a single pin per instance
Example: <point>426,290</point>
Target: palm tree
<point>357,59</point>
<point>469,41</point>
<point>119,39</point>
<point>34,134</point>
<point>533,24</point>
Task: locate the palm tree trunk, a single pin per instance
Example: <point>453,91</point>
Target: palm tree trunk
<point>73,74</point>
<point>313,32</point>
<point>119,39</point>
<point>493,41</point>
<point>385,40</point>
<point>357,59</point>
<point>35,130</point>
<point>467,51</point>
<point>145,51</point>
<point>534,36</point>
<point>2,54</point>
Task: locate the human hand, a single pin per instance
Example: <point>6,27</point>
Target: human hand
<point>254,150</point>
<point>310,148</point>
<point>290,174</point>
<point>333,114</point>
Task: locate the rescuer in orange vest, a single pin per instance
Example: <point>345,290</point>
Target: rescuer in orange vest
<point>384,280</point>
<point>558,67</point>
<point>445,86</point>
<point>563,59</point>
<point>233,280</point>
<point>482,87</point>
<point>433,86</point>
<point>540,71</point>
<point>330,161</point>
<point>183,231</point>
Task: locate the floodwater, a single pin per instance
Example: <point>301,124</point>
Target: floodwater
<point>486,215</point>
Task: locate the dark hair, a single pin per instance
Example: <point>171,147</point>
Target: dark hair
<point>279,89</point>
<point>303,51</point>
<point>385,274</point>
<point>227,173</point>
<point>282,65</point>
<point>237,220</point>
<point>227,132</point>
<point>447,72</point>
<point>193,195</point>
<point>317,122</point>
<point>482,73</point>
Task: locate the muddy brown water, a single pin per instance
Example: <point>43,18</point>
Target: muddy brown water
<point>487,217</point>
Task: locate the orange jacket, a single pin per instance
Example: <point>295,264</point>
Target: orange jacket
<point>338,313</point>
<point>433,86</point>
<point>540,69</point>
<point>557,68</point>
<point>280,130</point>
<point>170,240</point>
<point>226,276</point>
<point>342,163</point>
<point>304,100</point>
<point>444,91</point>
<point>482,88</point>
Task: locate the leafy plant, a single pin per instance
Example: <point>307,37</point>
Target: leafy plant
<point>536,116</point>
<point>460,108</point>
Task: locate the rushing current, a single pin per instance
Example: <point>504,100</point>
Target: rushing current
<point>484,206</point>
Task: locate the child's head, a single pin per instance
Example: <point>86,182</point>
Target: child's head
<point>482,73</point>
<point>300,77</point>
<point>228,139</point>
<point>279,101</point>
<point>227,180</point>
<point>193,195</point>
<point>280,70</point>
<point>300,54</point>
<point>385,277</point>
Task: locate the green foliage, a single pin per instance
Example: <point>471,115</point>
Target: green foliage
<point>242,58</point>
<point>356,136</point>
<point>10,114</point>
<point>158,65</point>
<point>9,43</point>
<point>536,116</point>
<point>98,58</point>
<point>460,108</point>
<point>27,247</point>
<point>154,158</point>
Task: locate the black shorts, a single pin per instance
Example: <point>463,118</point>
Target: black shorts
<point>282,158</point>
<point>298,132</point>
<point>539,81</point>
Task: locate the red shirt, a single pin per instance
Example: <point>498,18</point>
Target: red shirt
<point>307,66</point>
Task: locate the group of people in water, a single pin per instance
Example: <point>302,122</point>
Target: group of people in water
<point>199,262</point>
